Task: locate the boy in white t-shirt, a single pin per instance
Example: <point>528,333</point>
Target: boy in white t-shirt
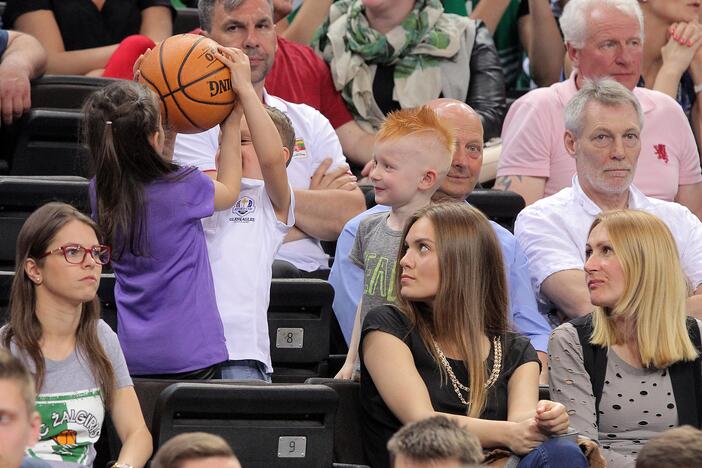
<point>242,241</point>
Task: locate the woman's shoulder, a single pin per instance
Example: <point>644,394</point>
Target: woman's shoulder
<point>387,318</point>
<point>106,335</point>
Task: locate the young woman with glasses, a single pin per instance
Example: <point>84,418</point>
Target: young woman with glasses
<point>55,328</point>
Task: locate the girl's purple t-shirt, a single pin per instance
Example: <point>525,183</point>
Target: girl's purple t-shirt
<point>168,320</point>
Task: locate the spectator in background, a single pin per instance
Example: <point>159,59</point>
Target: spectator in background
<point>446,348</point>
<point>92,37</point>
<point>672,62</point>
<point>56,331</point>
<point>534,161</point>
<point>524,25</point>
<point>382,63</point>
<point>195,450</point>
<point>20,422</point>
<point>631,369</point>
<point>347,278</point>
<point>298,75</point>
<point>22,58</point>
<point>326,195</point>
<point>680,447</point>
<point>604,124</point>
<point>435,442</point>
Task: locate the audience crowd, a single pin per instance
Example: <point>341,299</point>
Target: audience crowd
<point>450,321</point>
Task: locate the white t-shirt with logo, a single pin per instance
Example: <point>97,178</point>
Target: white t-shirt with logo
<point>241,243</point>
<point>315,140</point>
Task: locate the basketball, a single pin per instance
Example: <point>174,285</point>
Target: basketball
<point>194,88</point>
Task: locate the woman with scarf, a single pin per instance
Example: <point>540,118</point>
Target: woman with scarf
<point>387,55</point>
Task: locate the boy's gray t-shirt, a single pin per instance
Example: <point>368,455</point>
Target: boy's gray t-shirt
<point>71,406</point>
<point>375,250</point>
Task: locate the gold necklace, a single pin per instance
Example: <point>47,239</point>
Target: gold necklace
<point>458,386</point>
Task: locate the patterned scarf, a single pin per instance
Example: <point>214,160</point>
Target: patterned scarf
<point>416,48</point>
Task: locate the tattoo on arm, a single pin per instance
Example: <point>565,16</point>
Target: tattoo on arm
<point>505,182</point>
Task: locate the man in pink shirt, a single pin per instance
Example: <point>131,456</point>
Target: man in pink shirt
<point>603,38</point>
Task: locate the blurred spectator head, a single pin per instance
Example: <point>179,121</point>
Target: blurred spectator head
<point>434,442</point>
<point>20,422</point>
<point>195,450</point>
<point>675,448</point>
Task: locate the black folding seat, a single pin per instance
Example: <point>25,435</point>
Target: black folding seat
<point>499,206</point>
<point>47,142</point>
<point>268,426</point>
<point>186,20</point>
<point>299,317</point>
<point>65,91</point>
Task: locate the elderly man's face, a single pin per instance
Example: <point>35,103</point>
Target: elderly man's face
<point>612,48</point>
<point>607,149</point>
<point>468,156</point>
<point>248,27</point>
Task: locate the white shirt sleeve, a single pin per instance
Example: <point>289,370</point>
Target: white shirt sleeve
<point>197,149</point>
<point>548,245</point>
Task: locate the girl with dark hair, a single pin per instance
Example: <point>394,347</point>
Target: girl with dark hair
<point>447,349</point>
<point>150,210</point>
<point>55,328</point>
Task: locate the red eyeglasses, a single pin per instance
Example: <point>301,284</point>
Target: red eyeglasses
<point>75,253</point>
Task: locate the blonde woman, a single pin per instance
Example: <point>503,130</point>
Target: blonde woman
<point>630,369</point>
<point>447,349</point>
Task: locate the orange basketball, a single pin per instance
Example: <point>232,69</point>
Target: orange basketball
<point>194,87</point>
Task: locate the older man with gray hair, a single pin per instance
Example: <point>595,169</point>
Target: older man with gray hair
<point>604,38</point>
<point>603,136</point>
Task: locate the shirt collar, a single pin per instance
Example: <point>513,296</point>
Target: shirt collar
<point>637,200</point>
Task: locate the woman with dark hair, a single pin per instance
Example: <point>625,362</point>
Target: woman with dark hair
<point>632,368</point>
<point>55,328</point>
<point>150,210</point>
<point>389,55</point>
<point>447,348</point>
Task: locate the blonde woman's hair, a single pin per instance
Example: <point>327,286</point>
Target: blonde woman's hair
<point>472,298</point>
<point>655,293</point>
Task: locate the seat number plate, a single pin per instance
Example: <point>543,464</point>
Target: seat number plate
<point>292,447</point>
<point>289,338</point>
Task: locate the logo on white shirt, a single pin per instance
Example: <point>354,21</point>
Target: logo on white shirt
<point>243,206</point>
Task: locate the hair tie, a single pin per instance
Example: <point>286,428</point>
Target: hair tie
<point>108,123</point>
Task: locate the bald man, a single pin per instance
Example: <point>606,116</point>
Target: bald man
<point>347,278</point>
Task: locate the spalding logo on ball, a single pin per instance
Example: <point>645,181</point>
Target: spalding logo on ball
<point>194,87</point>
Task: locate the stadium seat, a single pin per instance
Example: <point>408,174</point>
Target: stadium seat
<point>47,143</point>
<point>347,425</point>
<point>65,91</point>
<point>299,318</point>
<point>544,392</point>
<point>268,426</point>
<point>499,206</point>
<point>186,20</point>
<point>20,196</point>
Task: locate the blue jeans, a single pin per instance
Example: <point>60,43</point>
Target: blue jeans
<point>555,453</point>
<point>245,369</point>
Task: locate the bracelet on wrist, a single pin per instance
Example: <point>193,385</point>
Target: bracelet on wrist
<point>698,88</point>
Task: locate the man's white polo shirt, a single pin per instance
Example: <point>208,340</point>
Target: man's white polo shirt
<point>553,232</point>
